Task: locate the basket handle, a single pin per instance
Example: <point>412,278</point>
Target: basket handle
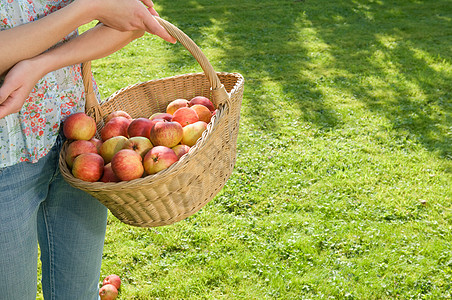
<point>220,95</point>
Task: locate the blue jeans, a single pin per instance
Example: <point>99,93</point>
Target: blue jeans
<point>37,205</point>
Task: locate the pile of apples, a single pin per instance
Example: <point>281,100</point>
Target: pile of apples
<point>132,148</point>
<point>110,287</point>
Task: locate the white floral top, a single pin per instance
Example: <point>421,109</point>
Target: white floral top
<point>31,133</point>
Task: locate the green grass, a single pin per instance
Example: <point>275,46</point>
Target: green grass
<point>342,187</point>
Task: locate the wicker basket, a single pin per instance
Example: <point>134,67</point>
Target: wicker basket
<point>184,188</point>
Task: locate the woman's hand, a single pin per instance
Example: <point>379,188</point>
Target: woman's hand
<point>130,15</point>
<point>19,82</point>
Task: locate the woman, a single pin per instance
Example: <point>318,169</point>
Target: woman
<point>40,85</point>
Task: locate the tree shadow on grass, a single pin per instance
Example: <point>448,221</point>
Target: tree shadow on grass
<point>379,53</point>
<point>255,40</point>
<point>404,49</point>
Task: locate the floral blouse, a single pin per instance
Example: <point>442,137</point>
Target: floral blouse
<point>31,133</point>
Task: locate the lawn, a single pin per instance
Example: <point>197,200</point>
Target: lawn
<point>342,186</point>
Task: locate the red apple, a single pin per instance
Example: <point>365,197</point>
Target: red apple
<point>158,159</point>
<point>116,126</point>
<point>118,113</point>
<point>204,114</point>
<point>139,144</point>
<point>96,142</point>
<point>111,146</point>
<point>185,116</point>
<point>112,279</point>
<point>175,105</point>
<point>167,134</point>
<point>155,120</point>
<point>127,165</point>
<point>78,147</point>
<point>108,292</point>
<point>88,167</point>
<point>109,175</point>
<point>165,116</point>
<point>140,127</point>
<point>203,101</point>
<point>79,126</point>
<point>180,150</point>
<point>193,132</point>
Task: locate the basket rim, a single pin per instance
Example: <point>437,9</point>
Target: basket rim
<point>240,81</point>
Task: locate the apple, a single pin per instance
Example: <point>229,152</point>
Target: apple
<point>175,105</point>
<point>96,142</point>
<point>140,127</point>
<point>203,101</point>
<point>160,115</point>
<point>185,116</point>
<point>88,167</point>
<point>204,114</point>
<point>111,146</point>
<point>167,134</point>
<point>127,165</point>
<point>158,159</point>
<point>139,144</point>
<point>79,126</point>
<point>78,147</point>
<point>108,292</point>
<point>193,132</point>
<point>180,150</point>
<point>116,126</point>
<point>109,175</point>
<point>118,113</point>
<point>112,279</point>
<point>158,120</point>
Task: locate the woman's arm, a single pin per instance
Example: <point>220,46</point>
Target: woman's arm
<point>95,43</point>
<point>31,39</point>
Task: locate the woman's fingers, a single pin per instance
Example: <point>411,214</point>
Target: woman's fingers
<point>10,105</point>
<point>154,27</point>
<point>150,6</point>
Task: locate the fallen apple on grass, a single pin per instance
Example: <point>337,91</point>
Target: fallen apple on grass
<point>112,279</point>
<point>108,292</point>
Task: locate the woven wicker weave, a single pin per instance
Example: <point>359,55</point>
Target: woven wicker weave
<point>181,190</point>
